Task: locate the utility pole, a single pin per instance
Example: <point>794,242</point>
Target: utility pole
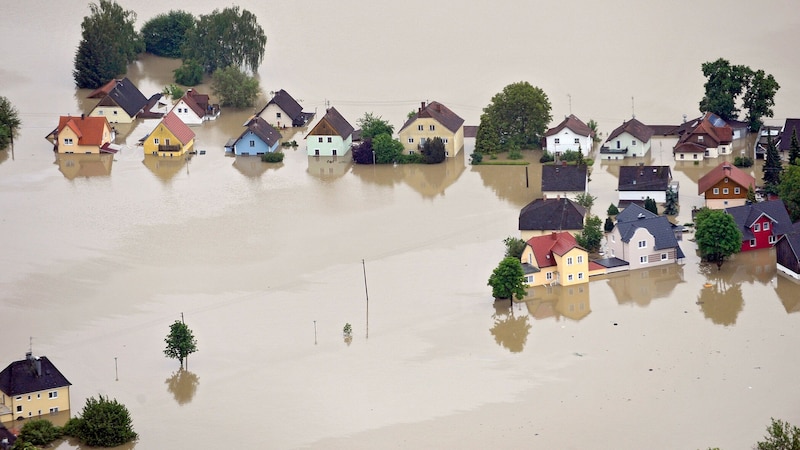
<point>366,291</point>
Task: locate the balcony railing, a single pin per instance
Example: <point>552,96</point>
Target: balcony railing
<point>618,151</point>
<point>169,148</point>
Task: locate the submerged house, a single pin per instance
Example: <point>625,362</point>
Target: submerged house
<point>544,216</point>
<point>725,186</point>
<point>32,387</point>
<point>284,111</point>
<point>430,121</point>
<point>170,138</point>
<point>331,136</point>
<point>120,101</point>
<point>571,134</point>
<point>631,139</point>
<point>643,239</point>
<point>706,137</point>
<point>195,108</point>
<point>258,138</point>
<point>554,259</point>
<point>636,183</point>
<point>82,135</point>
<point>564,181</point>
<point>787,252</point>
<point>761,223</point>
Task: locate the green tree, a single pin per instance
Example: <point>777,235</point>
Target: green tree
<point>433,150</point>
<point>109,42</point>
<point>226,38</point>
<point>372,125</point>
<point>102,423</point>
<point>612,210</point>
<point>794,149</point>
<point>751,194</point>
<point>608,226</point>
<point>725,83</point>
<point>671,203</point>
<point>592,124</point>
<point>173,91</point>
<point>516,116</point>
<point>9,123</point>
<point>585,199</point>
<point>759,98</point>
<point>514,246</point>
<point>508,279</point>
<point>789,191</point>
<point>780,436</point>
<point>165,34</point>
<point>234,88</point>
<point>190,73</point>
<point>591,235</point>
<point>387,150</point>
<point>180,342</point>
<point>650,205</point>
<point>772,167</point>
<point>39,432</point>
<point>717,235</point>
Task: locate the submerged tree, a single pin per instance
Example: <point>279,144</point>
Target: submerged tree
<point>789,191</point>
<point>234,87</point>
<point>508,279</point>
<point>590,237</point>
<point>180,342</point>
<point>165,34</point>
<point>433,150</point>
<point>514,246</point>
<point>759,98</point>
<point>363,154</point>
<point>516,116</point>
<point>794,149</point>
<point>230,37</point>
<point>372,125</point>
<point>772,167</point>
<point>387,150</point>
<point>717,235</point>
<point>102,423</point>
<point>9,123</point>
<point>671,203</point>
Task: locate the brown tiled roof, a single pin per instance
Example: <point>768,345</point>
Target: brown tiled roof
<point>635,128</point>
<point>573,123</point>
<point>89,129</point>
<point>339,123</point>
<point>689,147</point>
<point>103,90</point>
<point>718,134</point>
<point>470,131</point>
<point>201,99</point>
<point>644,178</point>
<point>723,170</point>
<point>664,130</point>
<point>175,125</point>
<point>439,113</point>
<point>191,101</point>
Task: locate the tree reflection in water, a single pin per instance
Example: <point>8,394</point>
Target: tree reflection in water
<point>509,331</point>
<point>722,301</point>
<point>183,385</point>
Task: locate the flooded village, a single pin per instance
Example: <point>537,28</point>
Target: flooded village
<point>101,252</point>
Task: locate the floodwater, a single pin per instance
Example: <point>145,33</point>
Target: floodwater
<point>268,262</point>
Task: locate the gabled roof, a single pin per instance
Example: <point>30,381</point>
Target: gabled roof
<point>551,214</point>
<point>633,127</point>
<point>634,212</point>
<point>709,125</point>
<point>659,227</point>
<point>563,178</point>
<point>644,178</point>
<point>746,215</point>
<point>689,147</point>
<point>573,123</point>
<point>122,93</point>
<point>725,169</point>
<point>288,105</point>
<point>544,247</point>
<point>439,113</point>
<point>88,129</point>
<point>31,375</point>
<point>263,130</point>
<point>786,135</point>
<point>190,99</point>
<point>179,129</point>
<point>793,239</point>
<point>341,127</point>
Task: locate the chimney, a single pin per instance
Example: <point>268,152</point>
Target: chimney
<point>37,365</point>
<point>564,163</point>
<point>554,235</point>
<point>83,116</point>
<point>29,356</point>
<point>422,106</point>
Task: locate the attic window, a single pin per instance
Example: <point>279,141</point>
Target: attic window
<point>699,138</point>
<point>726,179</point>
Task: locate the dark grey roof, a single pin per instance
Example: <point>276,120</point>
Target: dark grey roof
<point>610,263</point>
<point>793,239</point>
<point>289,105</point>
<point>551,214</point>
<point>439,113</point>
<point>563,178</point>
<point>644,178</point>
<point>786,135</point>
<point>632,213</point>
<point>746,215</point>
<point>263,130</point>
<point>658,226</point>
<point>529,268</point>
<point>31,375</point>
<point>127,96</point>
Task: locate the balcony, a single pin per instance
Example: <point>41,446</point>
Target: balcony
<point>169,148</point>
<point>613,151</point>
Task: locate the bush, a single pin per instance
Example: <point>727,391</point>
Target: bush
<point>546,157</point>
<point>234,87</point>
<point>103,423</point>
<point>609,225</point>
<point>514,153</point>
<point>414,158</point>
<point>287,144</point>
<point>743,161</point>
<point>39,432</point>
<point>475,158</point>
<point>190,73</point>
<point>612,210</point>
<point>272,157</point>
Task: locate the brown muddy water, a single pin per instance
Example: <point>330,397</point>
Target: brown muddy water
<point>99,256</point>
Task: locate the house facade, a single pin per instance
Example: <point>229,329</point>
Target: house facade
<point>82,134</point>
<point>544,216</point>
<point>787,253</point>
<point>762,224</point>
<point>636,183</point>
<point>706,137</point>
<point>283,111</point>
<point>557,258</point>
<point>631,139</point>
<point>784,142</point>
<point>331,136</point>
<point>32,387</point>
<point>259,138</point>
<point>170,138</point>
<point>643,239</point>
<point>433,120</point>
<point>564,181</point>
<point>570,134</point>
<point>194,108</point>
<point>120,101</point>
<point>725,186</point>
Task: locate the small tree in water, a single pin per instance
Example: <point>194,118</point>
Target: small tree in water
<point>717,235</point>
<point>671,205</point>
<point>180,342</point>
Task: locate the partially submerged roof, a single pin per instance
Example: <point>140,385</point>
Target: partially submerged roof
<point>633,127</point>
<point>746,215</point>
<point>789,127</point>
<point>180,130</point>
<point>340,126</point>
<point>266,132</point>
<point>31,374</point>
<point>562,178</point>
<point>88,129</point>
<point>122,93</point>
<point>644,178</point>
<point>722,171</point>
<point>551,215</point>
<point>659,227</point>
<point>572,123</point>
<point>288,105</point>
<point>793,239</point>
<point>438,112</point>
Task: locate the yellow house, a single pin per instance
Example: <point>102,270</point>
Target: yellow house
<point>433,120</point>
<point>82,134</point>
<point>170,138</point>
<point>120,101</point>
<point>32,387</point>
<point>555,259</point>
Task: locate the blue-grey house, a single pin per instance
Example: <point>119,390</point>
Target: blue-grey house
<point>259,138</point>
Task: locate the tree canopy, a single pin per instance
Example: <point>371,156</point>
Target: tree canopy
<point>789,191</point>
<point>387,150</point>
<point>190,73</point>
<point>180,342</point>
<point>508,279</point>
<point>590,237</point>
<point>794,149</point>
<point>109,42</point>
<point>372,125</point>
<point>516,116</point>
<point>234,87</point>
<point>514,246</point>
<point>650,205</point>
<point>433,150</point>
<point>231,37</point>
<point>9,122</point>
<point>362,153</point>
<point>102,423</point>
<point>717,235</point>
<point>772,167</point>
<point>165,34</point>
<point>671,203</point>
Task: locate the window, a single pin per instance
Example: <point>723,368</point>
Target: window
<point>569,260</point>
<point>252,143</point>
<point>29,398</point>
<point>432,127</point>
<point>580,259</point>
<point>334,152</point>
<point>444,140</point>
<point>558,140</point>
<point>699,138</point>
<point>633,143</point>
<point>330,139</point>
<point>67,141</point>
<point>54,410</point>
<point>580,275</point>
<point>411,152</point>
<point>278,115</point>
<point>569,277</point>
<point>529,278</point>
<point>726,179</point>
<point>752,242</point>
<point>316,152</point>
<point>319,139</point>
<point>766,226</point>
<point>52,394</point>
<point>19,408</point>
<point>410,140</point>
<point>156,141</point>
<point>420,127</point>
<point>757,227</point>
<point>642,244</point>
<point>643,259</point>
<point>716,191</point>
<point>725,191</point>
<point>682,155</point>
<point>663,256</point>
<point>613,239</point>
<point>447,154</point>
<point>38,396</point>
<point>577,140</point>
<point>549,275</point>
<point>771,239</point>
<point>695,156</point>
<point>115,112</point>
<point>737,190</point>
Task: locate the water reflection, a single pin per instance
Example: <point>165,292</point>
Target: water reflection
<point>429,180</point>
<point>642,286</point>
<point>516,184</point>
<point>166,168</point>
<point>4,154</point>
<point>74,165</point>
<point>753,266</point>
<point>720,301</point>
<point>182,385</point>
<point>572,302</point>
<point>329,167</point>
<point>253,167</point>
<point>787,290</point>
<point>509,331</point>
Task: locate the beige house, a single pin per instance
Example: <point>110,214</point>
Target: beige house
<point>431,121</point>
<point>82,134</point>
<point>32,387</point>
<point>555,259</point>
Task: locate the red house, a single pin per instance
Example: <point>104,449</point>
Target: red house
<point>761,224</point>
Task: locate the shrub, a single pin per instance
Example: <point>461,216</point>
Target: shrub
<point>514,154</point>
<point>39,432</point>
<point>190,73</point>
<point>546,157</point>
<point>743,161</point>
<point>609,225</point>
<point>475,158</point>
<point>612,210</point>
<point>272,157</point>
<point>103,423</point>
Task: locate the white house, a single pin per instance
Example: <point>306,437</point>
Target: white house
<point>570,134</point>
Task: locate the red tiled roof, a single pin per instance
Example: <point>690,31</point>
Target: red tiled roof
<point>190,101</point>
<point>175,125</point>
<point>555,243</point>
<point>88,129</point>
<point>723,170</point>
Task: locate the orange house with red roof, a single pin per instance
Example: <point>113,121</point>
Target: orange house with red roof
<point>170,138</point>
<point>706,137</point>
<point>81,134</point>
<point>555,258</point>
<point>725,186</point>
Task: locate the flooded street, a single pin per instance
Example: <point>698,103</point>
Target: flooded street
<point>99,255</point>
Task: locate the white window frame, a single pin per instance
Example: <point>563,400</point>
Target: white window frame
<point>664,256</point>
<point>580,275</point>
<point>410,140</point>
<point>420,127</point>
<point>432,127</point>
<point>252,142</point>
<point>549,276</point>
<point>725,191</point>
<point>737,190</point>
<point>641,244</point>
<point>577,140</point>
<point>54,410</point>
<point>557,140</point>
<point>445,141</point>
<point>319,139</point>
<point>766,226</point>
<point>756,226</point>
<point>643,259</point>
<point>52,394</point>
<point>716,191</point>
<point>569,260</point>
<point>156,141</point>
<point>580,259</point>
<point>633,143</point>
<point>569,277</point>
<point>772,239</point>
<point>752,242</point>
<point>68,141</point>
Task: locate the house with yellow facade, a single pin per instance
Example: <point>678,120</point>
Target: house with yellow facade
<point>170,138</point>
<point>120,101</point>
<point>82,134</point>
<point>32,387</point>
<point>555,259</point>
<point>430,121</point>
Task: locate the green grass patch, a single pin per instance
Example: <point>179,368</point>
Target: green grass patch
<point>502,162</point>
